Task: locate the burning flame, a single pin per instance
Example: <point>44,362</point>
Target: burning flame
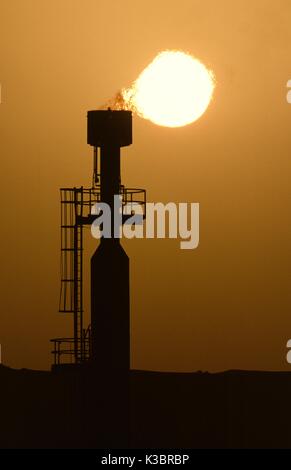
<point>174,90</point>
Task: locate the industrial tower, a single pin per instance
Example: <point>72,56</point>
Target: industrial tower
<point>106,341</point>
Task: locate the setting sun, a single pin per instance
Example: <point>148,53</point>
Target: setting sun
<point>174,90</point>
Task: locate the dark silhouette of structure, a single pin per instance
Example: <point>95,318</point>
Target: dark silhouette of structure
<point>100,353</point>
<point>106,340</point>
<point>110,316</point>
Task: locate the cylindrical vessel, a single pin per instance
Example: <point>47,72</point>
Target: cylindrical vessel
<point>108,127</point>
<point>110,313</point>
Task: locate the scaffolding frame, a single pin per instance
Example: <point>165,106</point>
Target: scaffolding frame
<point>76,212</point>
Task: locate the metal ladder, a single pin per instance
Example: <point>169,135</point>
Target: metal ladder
<point>71,296</point>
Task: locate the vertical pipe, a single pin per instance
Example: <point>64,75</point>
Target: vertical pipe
<point>110,177</point>
<point>76,338</point>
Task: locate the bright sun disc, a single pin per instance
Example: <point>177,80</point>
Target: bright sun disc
<point>174,90</point>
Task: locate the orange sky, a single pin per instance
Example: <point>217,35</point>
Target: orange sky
<point>226,304</point>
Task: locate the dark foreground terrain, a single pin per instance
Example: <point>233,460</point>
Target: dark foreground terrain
<point>234,409</point>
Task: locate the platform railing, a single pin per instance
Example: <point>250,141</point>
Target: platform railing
<point>64,349</point>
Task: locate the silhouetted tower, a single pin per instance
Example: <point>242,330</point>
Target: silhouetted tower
<point>102,349</point>
<point>108,131</point>
<point>106,341</point>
